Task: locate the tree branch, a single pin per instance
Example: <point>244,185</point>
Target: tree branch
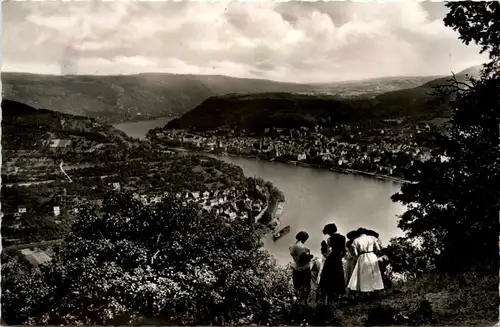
<point>451,87</point>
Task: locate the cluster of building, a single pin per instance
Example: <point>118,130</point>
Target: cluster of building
<point>220,202</point>
<point>350,147</point>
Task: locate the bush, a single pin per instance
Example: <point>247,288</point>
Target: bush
<point>411,257</point>
<point>23,291</point>
<point>166,260</point>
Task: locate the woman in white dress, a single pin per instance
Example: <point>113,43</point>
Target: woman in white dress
<point>366,276</point>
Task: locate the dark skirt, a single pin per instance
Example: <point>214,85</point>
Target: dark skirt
<point>301,279</point>
<point>332,280</point>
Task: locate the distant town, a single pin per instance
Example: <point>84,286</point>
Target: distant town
<point>386,153</point>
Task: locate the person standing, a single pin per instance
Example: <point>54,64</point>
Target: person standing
<point>366,277</point>
<point>350,257</point>
<point>316,267</point>
<point>332,282</point>
<point>373,233</point>
<point>301,271</point>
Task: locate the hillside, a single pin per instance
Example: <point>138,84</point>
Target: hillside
<point>258,111</point>
<point>375,86</point>
<point>35,143</point>
<point>54,160</point>
<point>416,100</point>
<point>27,128</point>
<point>129,97</point>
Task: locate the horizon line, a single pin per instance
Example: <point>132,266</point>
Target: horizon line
<point>236,77</point>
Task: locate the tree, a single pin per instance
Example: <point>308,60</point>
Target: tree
<point>456,198</point>
<point>165,260</point>
<point>478,22</point>
<point>23,291</point>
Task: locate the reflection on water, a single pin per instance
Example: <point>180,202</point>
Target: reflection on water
<point>314,197</point>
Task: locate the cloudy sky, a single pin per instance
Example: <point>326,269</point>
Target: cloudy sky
<point>287,41</point>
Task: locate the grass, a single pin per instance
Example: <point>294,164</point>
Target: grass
<point>467,299</point>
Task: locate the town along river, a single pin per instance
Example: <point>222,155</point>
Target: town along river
<point>315,197</point>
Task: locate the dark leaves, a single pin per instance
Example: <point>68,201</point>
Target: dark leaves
<point>164,260</point>
<point>457,200</point>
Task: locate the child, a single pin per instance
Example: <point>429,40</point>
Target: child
<point>316,267</point>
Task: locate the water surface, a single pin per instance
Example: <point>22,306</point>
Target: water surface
<point>139,129</point>
<point>314,197</point>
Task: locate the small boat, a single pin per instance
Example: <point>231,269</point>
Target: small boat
<point>281,233</point>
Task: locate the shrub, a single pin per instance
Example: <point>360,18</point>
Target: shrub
<point>166,260</point>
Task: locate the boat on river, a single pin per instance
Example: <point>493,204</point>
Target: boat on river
<point>281,233</point>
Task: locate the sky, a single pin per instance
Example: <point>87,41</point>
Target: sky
<point>303,42</point>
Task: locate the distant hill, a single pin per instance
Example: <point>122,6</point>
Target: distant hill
<point>374,86</point>
<point>419,100</point>
<point>27,128</point>
<point>128,97</point>
<point>121,98</point>
<point>258,111</point>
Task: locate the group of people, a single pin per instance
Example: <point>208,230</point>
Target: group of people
<point>356,266</point>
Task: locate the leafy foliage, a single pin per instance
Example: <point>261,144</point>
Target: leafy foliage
<point>411,257</point>
<point>456,200</point>
<point>23,291</point>
<point>165,260</point>
<point>479,23</point>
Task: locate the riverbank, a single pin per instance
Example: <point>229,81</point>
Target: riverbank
<point>275,215</point>
<point>140,119</point>
<point>271,227</point>
<point>348,171</point>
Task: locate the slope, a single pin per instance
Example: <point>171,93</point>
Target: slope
<point>420,100</point>
<point>27,128</point>
<point>130,97</point>
<point>258,111</point>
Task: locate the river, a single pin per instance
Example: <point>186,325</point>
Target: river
<point>315,197</point>
<point>139,129</point>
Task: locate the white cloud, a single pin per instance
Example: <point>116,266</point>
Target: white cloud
<point>310,42</point>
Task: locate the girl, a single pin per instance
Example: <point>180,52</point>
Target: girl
<point>350,258</point>
<point>332,281</point>
<point>366,277</point>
